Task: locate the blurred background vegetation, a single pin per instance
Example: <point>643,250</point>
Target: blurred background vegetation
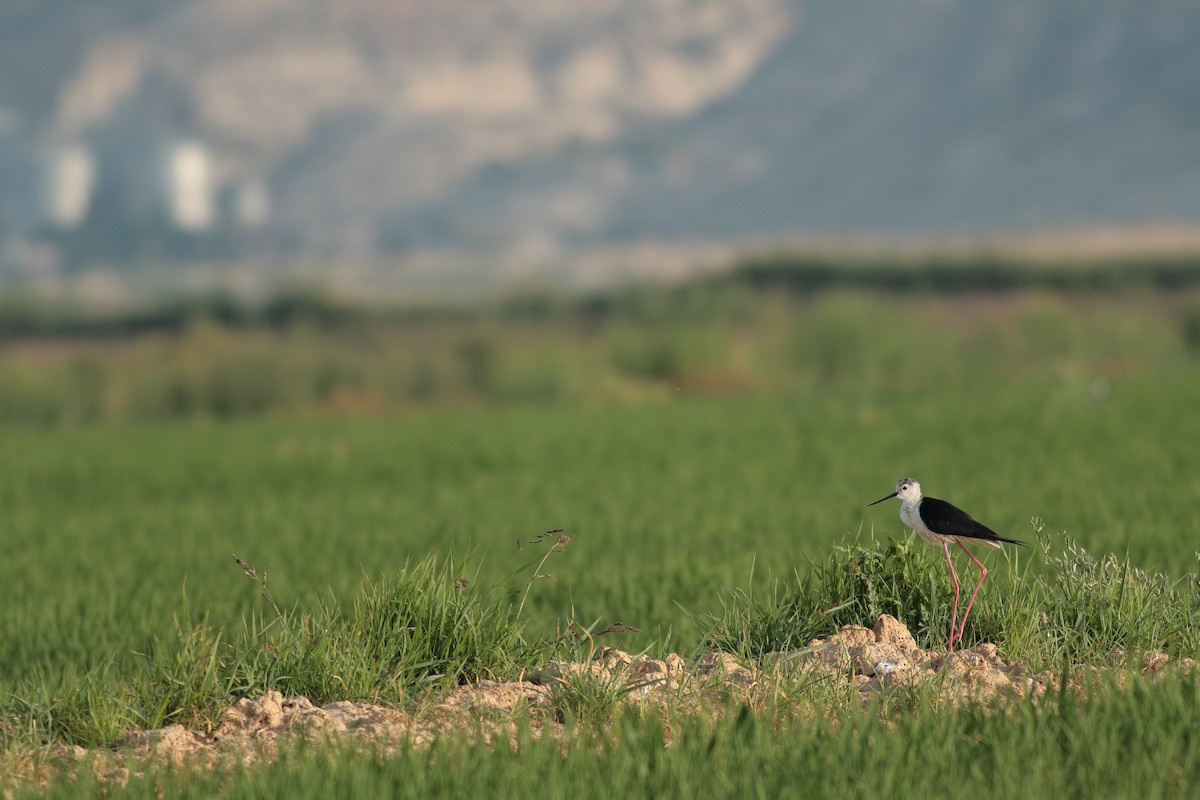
<point>772,323</point>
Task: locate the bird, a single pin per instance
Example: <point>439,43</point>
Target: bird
<point>941,523</point>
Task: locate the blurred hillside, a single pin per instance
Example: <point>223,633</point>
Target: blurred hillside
<point>138,131</point>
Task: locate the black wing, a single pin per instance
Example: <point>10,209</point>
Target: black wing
<point>941,517</point>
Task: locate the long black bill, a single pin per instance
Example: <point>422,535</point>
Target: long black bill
<point>880,500</point>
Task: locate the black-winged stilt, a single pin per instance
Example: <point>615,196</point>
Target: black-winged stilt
<point>939,522</point>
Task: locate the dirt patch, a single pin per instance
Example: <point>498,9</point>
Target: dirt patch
<point>887,656</point>
<point>871,660</point>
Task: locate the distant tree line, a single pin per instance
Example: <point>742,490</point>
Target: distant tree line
<point>25,317</point>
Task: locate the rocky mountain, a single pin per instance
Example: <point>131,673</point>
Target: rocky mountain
<point>363,127</point>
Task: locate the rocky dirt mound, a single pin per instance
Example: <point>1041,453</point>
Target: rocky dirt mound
<point>875,660</point>
<point>887,655</point>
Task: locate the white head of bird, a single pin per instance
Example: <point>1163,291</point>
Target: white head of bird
<point>907,489</point>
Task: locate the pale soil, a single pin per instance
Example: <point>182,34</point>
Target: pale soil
<point>865,661</point>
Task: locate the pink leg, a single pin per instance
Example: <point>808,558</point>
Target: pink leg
<point>982,575</point>
<point>954,608</point>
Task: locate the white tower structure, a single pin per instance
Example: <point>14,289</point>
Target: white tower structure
<point>189,186</point>
<point>68,183</point>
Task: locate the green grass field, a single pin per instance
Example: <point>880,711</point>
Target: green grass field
<point>119,535</point>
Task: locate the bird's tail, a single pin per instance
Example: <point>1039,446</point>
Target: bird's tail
<point>991,541</point>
